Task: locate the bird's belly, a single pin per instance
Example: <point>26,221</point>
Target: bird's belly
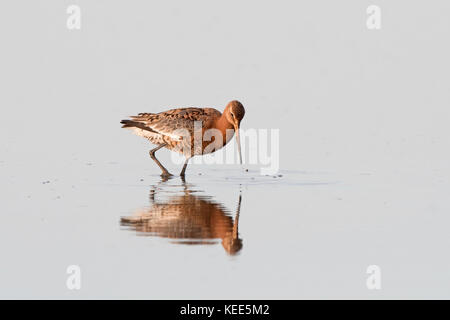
<point>196,145</point>
<point>215,143</point>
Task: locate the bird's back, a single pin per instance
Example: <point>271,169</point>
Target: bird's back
<point>164,127</point>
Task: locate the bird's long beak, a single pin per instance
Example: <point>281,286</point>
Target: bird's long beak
<point>238,141</point>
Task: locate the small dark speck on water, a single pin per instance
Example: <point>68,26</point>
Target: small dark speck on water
<point>141,180</point>
<point>45,182</point>
<point>246,170</point>
<point>199,173</point>
<point>280,175</point>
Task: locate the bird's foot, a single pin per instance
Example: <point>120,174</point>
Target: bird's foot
<point>166,174</point>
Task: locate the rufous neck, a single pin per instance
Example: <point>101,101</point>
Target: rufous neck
<point>223,124</point>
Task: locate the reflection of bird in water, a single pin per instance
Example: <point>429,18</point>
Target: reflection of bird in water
<point>189,219</point>
<point>176,130</point>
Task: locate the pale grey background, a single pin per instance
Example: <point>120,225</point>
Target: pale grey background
<point>363,118</point>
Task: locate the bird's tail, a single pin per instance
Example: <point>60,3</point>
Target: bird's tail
<point>130,124</point>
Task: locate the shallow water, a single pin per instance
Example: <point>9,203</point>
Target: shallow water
<point>222,233</point>
<point>363,145</point>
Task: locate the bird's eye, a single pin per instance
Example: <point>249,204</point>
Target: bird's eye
<point>232,115</point>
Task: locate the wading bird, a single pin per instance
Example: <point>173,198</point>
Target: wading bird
<point>189,131</point>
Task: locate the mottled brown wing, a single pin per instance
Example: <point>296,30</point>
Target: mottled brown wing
<point>171,123</point>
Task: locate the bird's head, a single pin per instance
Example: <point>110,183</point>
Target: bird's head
<point>234,113</point>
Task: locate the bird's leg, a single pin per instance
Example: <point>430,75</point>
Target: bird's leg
<point>165,173</point>
<point>184,167</point>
